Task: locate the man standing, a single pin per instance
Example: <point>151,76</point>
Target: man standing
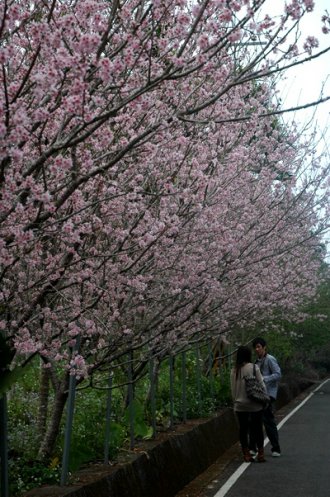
<point>271,373</point>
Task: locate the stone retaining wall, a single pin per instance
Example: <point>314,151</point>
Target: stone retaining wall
<point>170,465</point>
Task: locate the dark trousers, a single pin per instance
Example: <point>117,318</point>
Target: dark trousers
<point>250,424</point>
<point>270,428</point>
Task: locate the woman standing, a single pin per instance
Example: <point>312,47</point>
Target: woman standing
<point>248,412</point>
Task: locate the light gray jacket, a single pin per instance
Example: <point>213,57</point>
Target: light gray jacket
<point>271,373</point>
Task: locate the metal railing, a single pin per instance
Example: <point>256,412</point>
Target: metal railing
<point>205,362</point>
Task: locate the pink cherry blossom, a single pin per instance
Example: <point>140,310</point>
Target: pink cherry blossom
<point>147,196</point>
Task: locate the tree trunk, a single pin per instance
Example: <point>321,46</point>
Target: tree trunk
<point>43,402</point>
<point>155,374</point>
<point>48,443</point>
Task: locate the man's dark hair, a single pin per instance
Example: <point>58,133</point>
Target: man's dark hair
<point>260,341</point>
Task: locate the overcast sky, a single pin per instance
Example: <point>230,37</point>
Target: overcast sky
<point>308,82</point>
<point>303,84</point>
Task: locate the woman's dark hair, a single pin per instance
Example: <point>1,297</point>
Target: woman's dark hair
<point>243,355</point>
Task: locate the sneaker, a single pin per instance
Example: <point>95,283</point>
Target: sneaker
<point>275,453</point>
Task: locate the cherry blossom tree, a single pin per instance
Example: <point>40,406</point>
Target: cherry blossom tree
<point>149,195</point>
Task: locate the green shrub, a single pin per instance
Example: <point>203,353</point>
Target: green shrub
<point>26,474</point>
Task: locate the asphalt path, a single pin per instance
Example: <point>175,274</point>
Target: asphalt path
<point>303,470</point>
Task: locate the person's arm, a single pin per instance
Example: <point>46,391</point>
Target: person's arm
<point>274,371</point>
<point>233,384</point>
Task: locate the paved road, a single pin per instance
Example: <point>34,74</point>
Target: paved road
<point>304,468</point>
